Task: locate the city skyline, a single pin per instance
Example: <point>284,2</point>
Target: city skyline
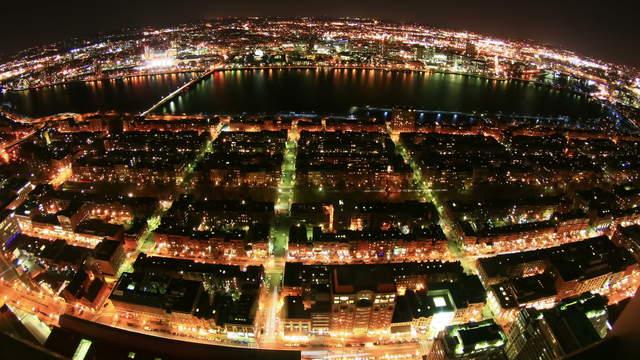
<point>317,188</point>
<point>584,27</point>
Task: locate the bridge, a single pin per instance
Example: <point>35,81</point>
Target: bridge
<point>182,88</point>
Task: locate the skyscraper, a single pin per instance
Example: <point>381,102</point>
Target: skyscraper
<point>554,333</point>
<point>363,299</point>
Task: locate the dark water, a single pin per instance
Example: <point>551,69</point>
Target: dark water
<point>326,91</point>
<point>131,94</point>
<point>322,91</point>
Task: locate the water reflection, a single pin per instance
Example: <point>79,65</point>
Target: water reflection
<point>323,91</point>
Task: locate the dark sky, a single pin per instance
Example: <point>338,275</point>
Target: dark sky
<point>603,29</point>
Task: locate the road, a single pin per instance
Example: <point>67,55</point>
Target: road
<point>428,194</point>
<point>146,243</point>
<point>47,307</point>
<point>23,119</point>
<point>409,350</point>
<point>274,271</point>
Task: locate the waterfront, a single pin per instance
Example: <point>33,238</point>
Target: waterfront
<point>330,91</point>
<point>320,91</point>
<point>130,94</point>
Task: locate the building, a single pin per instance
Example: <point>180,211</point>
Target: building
<point>233,277</point>
<point>456,159</point>
<point>550,334</point>
<point>407,216</point>
<point>350,160</point>
<point>14,191</point>
<point>320,317</point>
<point>591,265</point>
<point>423,312</point>
<point>220,229</point>
<point>385,299</point>
<point>477,340</point>
<point>237,316</point>
<point>107,257</point>
<point>594,306</point>
<point>161,302</point>
<point>628,237</point>
<point>86,289</point>
<point>199,125</point>
<point>393,244</point>
<point>80,218</point>
<point>296,317</point>
<point>506,298</point>
<point>36,255</point>
<point>363,300</point>
<point>139,157</point>
<point>8,225</point>
<point>506,226</point>
<point>244,159</point>
<point>428,310</point>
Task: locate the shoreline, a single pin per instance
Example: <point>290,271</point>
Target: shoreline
<point>205,74</point>
<point>309,67</point>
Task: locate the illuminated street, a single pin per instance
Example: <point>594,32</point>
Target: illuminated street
<point>316,188</point>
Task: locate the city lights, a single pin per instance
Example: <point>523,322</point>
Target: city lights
<point>382,232</point>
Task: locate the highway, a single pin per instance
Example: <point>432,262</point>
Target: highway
<point>23,119</point>
<point>19,140</point>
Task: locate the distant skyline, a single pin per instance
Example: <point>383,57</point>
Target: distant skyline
<point>603,30</point>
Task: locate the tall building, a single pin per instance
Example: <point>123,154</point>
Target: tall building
<point>470,49</point>
<point>363,299</point>
<point>629,237</point>
<point>551,334</point>
<point>476,340</point>
<point>379,299</point>
<point>424,53</point>
<point>594,307</point>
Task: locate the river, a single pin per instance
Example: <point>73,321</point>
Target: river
<point>322,91</point>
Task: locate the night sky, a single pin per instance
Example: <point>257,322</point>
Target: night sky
<point>602,29</point>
